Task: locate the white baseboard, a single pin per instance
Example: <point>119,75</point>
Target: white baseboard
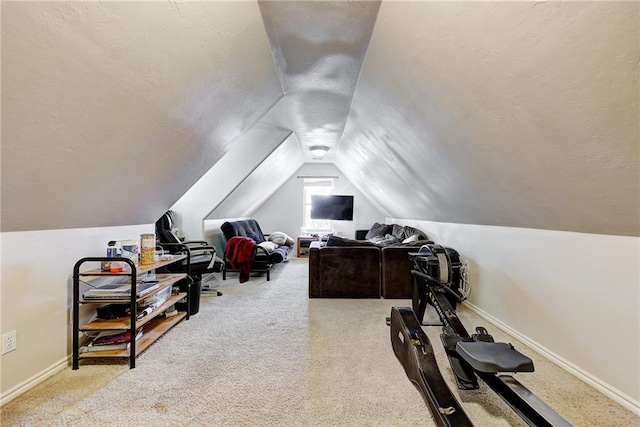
<point>596,383</point>
<point>34,380</point>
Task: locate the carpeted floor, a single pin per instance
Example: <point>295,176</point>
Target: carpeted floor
<point>264,354</point>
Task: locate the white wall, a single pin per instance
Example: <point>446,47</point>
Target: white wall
<point>574,296</point>
<point>263,181</point>
<point>283,211</point>
<point>215,185</point>
<point>36,297</point>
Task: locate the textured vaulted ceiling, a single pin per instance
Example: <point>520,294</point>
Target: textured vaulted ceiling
<point>501,113</point>
<point>318,49</point>
<point>112,110</point>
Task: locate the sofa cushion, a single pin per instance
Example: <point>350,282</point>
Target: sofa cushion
<point>243,228</point>
<point>378,230</point>
<point>410,231</point>
<point>404,232</point>
<point>268,246</point>
<point>279,254</point>
<point>341,241</point>
<point>384,241</point>
<point>411,239</point>
<point>397,231</point>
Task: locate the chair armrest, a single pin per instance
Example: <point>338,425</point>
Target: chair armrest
<point>186,247</point>
<point>203,249</point>
<point>195,243</point>
<point>199,250</point>
<point>177,247</point>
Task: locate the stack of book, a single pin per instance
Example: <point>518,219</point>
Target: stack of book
<point>110,340</point>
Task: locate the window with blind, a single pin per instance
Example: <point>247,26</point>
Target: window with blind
<point>313,186</point>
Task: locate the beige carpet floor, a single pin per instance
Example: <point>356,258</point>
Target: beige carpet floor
<point>264,354</point>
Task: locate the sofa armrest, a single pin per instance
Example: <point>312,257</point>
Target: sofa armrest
<point>396,271</point>
<point>314,272</point>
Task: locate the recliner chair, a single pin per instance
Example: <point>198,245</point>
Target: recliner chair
<point>203,259</point>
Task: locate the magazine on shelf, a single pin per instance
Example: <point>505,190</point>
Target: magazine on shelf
<point>119,341</point>
<point>119,288</point>
<point>108,337</point>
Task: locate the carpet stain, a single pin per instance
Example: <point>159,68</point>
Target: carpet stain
<point>160,407</point>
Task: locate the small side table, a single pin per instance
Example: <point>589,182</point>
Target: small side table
<point>303,244</point>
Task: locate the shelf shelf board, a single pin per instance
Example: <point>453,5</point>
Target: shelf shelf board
<point>124,323</point>
<point>140,269</point>
<point>155,328</point>
<point>164,280</point>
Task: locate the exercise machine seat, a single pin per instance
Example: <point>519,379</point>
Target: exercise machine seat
<point>493,357</point>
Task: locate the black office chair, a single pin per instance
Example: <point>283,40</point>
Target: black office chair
<point>203,258</point>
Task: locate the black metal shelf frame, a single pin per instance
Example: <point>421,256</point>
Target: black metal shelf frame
<point>133,300</point>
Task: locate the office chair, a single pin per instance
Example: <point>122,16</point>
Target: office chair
<point>203,258</point>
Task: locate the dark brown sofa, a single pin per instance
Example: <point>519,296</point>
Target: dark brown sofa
<point>346,268</point>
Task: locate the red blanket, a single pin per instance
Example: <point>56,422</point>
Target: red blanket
<point>240,252</point>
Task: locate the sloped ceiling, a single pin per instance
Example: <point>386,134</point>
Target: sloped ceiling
<point>112,110</point>
<point>318,63</point>
<point>515,114</point>
<point>498,113</point>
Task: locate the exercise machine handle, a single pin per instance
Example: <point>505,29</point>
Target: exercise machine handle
<point>445,286</point>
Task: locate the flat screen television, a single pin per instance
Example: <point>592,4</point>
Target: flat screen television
<point>332,207</point>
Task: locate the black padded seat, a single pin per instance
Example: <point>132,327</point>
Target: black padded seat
<point>493,357</point>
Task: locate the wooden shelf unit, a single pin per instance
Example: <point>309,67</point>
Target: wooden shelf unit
<point>303,243</point>
<point>154,326</point>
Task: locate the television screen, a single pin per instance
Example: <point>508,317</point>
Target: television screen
<point>332,207</point>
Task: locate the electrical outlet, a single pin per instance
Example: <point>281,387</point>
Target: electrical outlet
<point>9,342</point>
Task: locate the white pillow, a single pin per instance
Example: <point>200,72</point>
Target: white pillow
<point>280,238</point>
<point>269,246</point>
<point>411,239</point>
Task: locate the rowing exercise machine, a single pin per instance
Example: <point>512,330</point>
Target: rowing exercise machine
<point>436,282</point>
